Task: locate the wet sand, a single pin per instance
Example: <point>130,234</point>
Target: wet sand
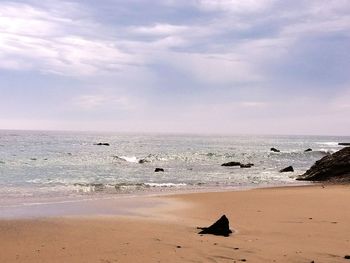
<point>291,224</point>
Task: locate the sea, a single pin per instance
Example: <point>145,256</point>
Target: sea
<point>46,166</point>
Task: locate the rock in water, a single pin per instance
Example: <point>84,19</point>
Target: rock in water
<point>344,143</point>
<point>231,164</point>
<point>102,144</point>
<point>274,150</point>
<point>287,169</point>
<point>158,170</point>
<point>248,165</point>
<point>334,167</point>
<point>219,228</point>
<point>308,150</point>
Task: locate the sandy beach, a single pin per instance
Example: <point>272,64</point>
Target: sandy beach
<point>289,224</point>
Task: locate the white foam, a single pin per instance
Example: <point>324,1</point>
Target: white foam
<point>130,159</point>
<point>328,143</point>
<point>328,151</point>
<point>165,184</point>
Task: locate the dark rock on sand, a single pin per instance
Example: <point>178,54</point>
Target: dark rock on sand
<point>102,144</point>
<point>274,150</point>
<point>248,165</point>
<point>158,170</point>
<point>344,143</point>
<point>334,167</point>
<point>219,228</point>
<point>308,150</point>
<point>287,169</point>
<point>347,257</point>
<point>231,164</point>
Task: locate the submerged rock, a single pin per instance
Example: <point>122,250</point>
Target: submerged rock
<point>219,228</point>
<point>308,150</point>
<point>274,150</point>
<point>158,170</point>
<point>287,169</point>
<point>231,164</point>
<point>334,167</point>
<point>102,144</point>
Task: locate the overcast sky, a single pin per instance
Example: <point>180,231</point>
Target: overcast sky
<point>193,66</point>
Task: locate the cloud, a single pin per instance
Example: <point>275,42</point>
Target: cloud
<point>98,101</point>
<point>212,68</point>
<point>36,39</point>
<point>253,104</point>
<point>159,29</point>
<point>236,6</point>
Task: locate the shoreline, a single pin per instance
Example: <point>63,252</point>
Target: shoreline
<point>281,224</point>
<point>88,205</point>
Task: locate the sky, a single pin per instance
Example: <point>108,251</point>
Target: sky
<point>176,66</point>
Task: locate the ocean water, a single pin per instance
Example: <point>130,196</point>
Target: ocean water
<point>37,165</point>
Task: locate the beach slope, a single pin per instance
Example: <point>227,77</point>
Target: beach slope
<point>290,224</point>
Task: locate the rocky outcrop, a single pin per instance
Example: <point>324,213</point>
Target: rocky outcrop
<point>242,165</point>
<point>344,143</point>
<point>231,164</point>
<point>102,144</point>
<point>287,169</point>
<point>308,150</point>
<point>334,167</point>
<point>219,228</point>
<point>274,150</point>
<point>248,165</point>
<point>158,170</point>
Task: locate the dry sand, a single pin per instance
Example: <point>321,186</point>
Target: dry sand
<point>292,224</point>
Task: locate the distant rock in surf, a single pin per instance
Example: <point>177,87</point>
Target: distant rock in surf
<point>248,165</point>
<point>287,169</point>
<point>344,143</point>
<point>219,228</point>
<point>102,144</point>
<point>274,150</point>
<point>143,161</point>
<point>158,170</point>
<point>231,164</point>
<point>334,167</point>
<point>308,150</point>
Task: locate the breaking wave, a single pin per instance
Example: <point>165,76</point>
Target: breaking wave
<point>130,159</point>
<point>121,187</point>
<point>328,143</point>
